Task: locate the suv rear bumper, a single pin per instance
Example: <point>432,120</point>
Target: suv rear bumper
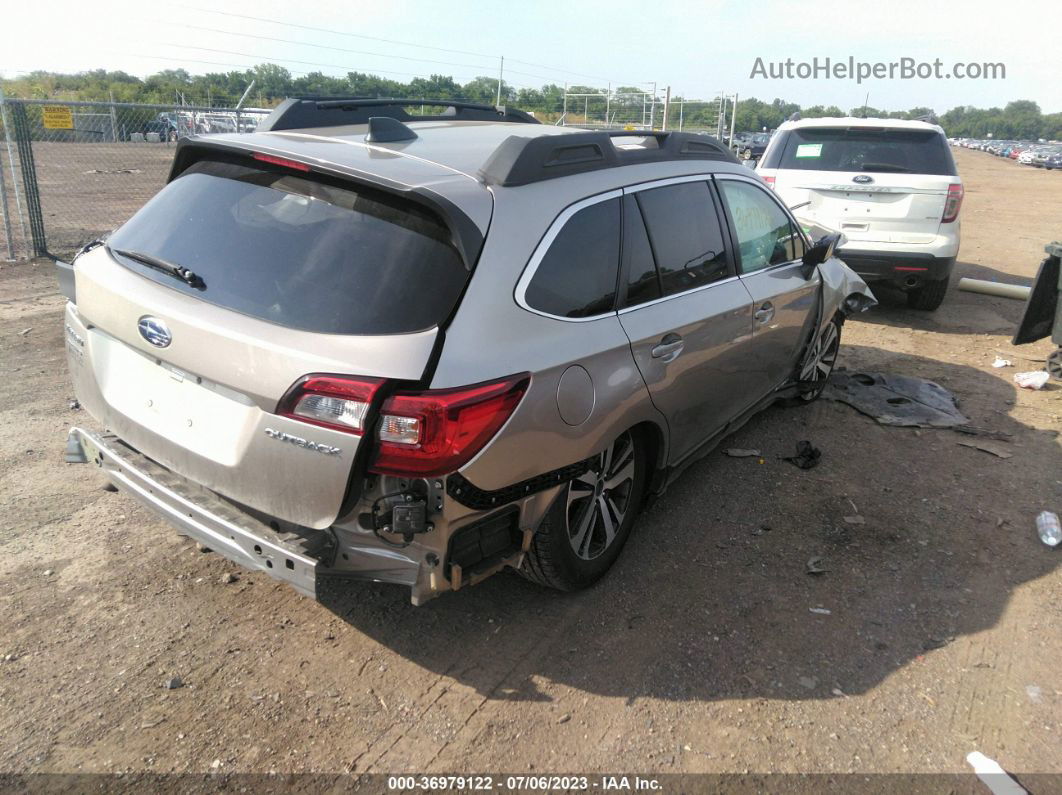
<point>906,269</point>
<point>201,514</point>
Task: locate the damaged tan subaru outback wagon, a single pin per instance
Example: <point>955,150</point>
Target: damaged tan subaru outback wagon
<point>420,349</point>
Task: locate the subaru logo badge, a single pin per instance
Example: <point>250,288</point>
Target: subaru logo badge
<point>154,331</point>
<point>862,179</point>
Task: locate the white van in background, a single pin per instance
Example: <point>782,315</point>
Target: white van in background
<point>889,185</point>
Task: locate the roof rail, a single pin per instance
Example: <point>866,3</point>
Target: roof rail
<point>300,112</point>
<point>520,160</point>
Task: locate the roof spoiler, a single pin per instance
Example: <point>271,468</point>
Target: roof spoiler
<point>520,160</point>
<point>302,112</point>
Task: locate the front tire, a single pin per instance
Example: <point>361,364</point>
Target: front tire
<point>929,296</point>
<point>586,527</point>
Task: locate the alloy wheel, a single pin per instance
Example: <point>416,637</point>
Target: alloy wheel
<point>599,500</point>
<point>820,361</point>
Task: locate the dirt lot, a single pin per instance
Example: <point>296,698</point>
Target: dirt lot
<point>698,653</point>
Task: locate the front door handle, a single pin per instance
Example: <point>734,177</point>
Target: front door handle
<point>668,348</point>
<point>765,313</point>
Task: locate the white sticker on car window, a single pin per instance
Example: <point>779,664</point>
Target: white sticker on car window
<point>809,150</point>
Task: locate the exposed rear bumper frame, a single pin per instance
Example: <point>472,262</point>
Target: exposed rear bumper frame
<point>201,514</point>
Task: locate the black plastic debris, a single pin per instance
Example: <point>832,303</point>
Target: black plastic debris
<point>896,399</point>
<point>807,456</point>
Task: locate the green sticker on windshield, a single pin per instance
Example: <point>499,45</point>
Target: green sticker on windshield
<point>809,150</point>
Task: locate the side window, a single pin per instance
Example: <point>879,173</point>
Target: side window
<point>685,235</point>
<point>765,236</point>
<point>643,284</point>
<point>577,276</point>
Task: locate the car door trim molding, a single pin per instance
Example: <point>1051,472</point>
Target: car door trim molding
<point>520,293</point>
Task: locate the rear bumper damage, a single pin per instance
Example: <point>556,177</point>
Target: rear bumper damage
<point>200,514</point>
<point>467,544</point>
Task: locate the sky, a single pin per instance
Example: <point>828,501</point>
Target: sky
<point>697,48</point>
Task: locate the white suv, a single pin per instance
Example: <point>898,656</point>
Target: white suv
<point>890,186</point>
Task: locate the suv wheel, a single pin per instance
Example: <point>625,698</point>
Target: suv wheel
<point>589,522</point>
<point>929,296</point>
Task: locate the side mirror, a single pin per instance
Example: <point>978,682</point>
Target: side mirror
<point>821,251</point>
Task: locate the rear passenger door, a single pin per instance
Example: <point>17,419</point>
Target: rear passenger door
<point>770,247</point>
<point>688,317</point>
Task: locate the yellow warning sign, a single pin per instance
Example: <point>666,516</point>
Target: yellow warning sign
<point>58,117</point>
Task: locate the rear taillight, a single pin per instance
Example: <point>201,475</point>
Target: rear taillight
<point>952,203</point>
<point>433,433</point>
<point>770,182</point>
<point>331,401</point>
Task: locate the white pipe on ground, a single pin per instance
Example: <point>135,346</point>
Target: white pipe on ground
<point>997,289</point>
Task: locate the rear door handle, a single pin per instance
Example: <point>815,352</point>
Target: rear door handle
<point>668,348</point>
<point>764,313</point>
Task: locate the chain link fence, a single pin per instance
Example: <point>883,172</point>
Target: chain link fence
<point>643,111</point>
<point>75,170</point>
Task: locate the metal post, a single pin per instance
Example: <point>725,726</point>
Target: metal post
<point>652,109</point>
<point>501,71</point>
<point>114,118</point>
<point>7,219</point>
<point>682,107</point>
<point>608,104</point>
<point>564,112</point>
<point>733,118</point>
<point>29,179</point>
<point>11,164</point>
<point>667,107</point>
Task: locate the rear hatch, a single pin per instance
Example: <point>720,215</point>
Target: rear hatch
<point>874,184</point>
<point>287,274</point>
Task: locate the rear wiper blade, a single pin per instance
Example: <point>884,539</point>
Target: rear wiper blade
<point>179,271</point>
<point>884,167</point>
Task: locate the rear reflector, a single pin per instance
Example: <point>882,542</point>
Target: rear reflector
<point>909,268</point>
<point>952,203</point>
<point>436,432</point>
<point>280,161</point>
<point>331,402</point>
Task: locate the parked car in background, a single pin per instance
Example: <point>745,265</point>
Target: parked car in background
<point>890,186</point>
<point>754,146</point>
<point>445,345</point>
<point>1053,161</point>
<point>163,128</point>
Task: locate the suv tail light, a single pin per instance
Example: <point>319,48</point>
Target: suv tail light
<point>952,203</point>
<point>770,182</point>
<point>436,432</point>
<point>331,401</point>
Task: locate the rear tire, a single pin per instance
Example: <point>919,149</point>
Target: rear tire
<point>929,296</point>
<point>586,527</point>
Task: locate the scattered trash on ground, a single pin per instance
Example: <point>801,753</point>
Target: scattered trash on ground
<point>987,448</point>
<point>896,399</point>
<point>25,331</point>
<point>809,682</point>
<point>992,775</point>
<point>855,520</point>
<point>1048,527</point>
<point>173,683</point>
<point>228,577</point>
<point>564,718</point>
<point>807,456</point>
<point>1035,693</point>
<point>1001,362</point>
<point>738,452</point>
<point>113,171</point>
<point>821,611</point>
<point>74,404</point>
<point>1035,379</point>
<point>815,566</point>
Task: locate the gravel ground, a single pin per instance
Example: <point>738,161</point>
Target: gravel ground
<point>700,652</point>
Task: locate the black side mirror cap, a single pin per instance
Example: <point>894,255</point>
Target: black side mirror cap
<point>819,252</point>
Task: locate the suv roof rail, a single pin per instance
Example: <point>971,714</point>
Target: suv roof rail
<point>520,160</point>
<point>299,112</point>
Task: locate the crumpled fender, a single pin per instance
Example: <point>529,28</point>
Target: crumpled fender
<point>843,290</point>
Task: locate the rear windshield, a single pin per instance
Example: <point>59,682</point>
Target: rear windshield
<point>864,149</point>
<point>289,249</point>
